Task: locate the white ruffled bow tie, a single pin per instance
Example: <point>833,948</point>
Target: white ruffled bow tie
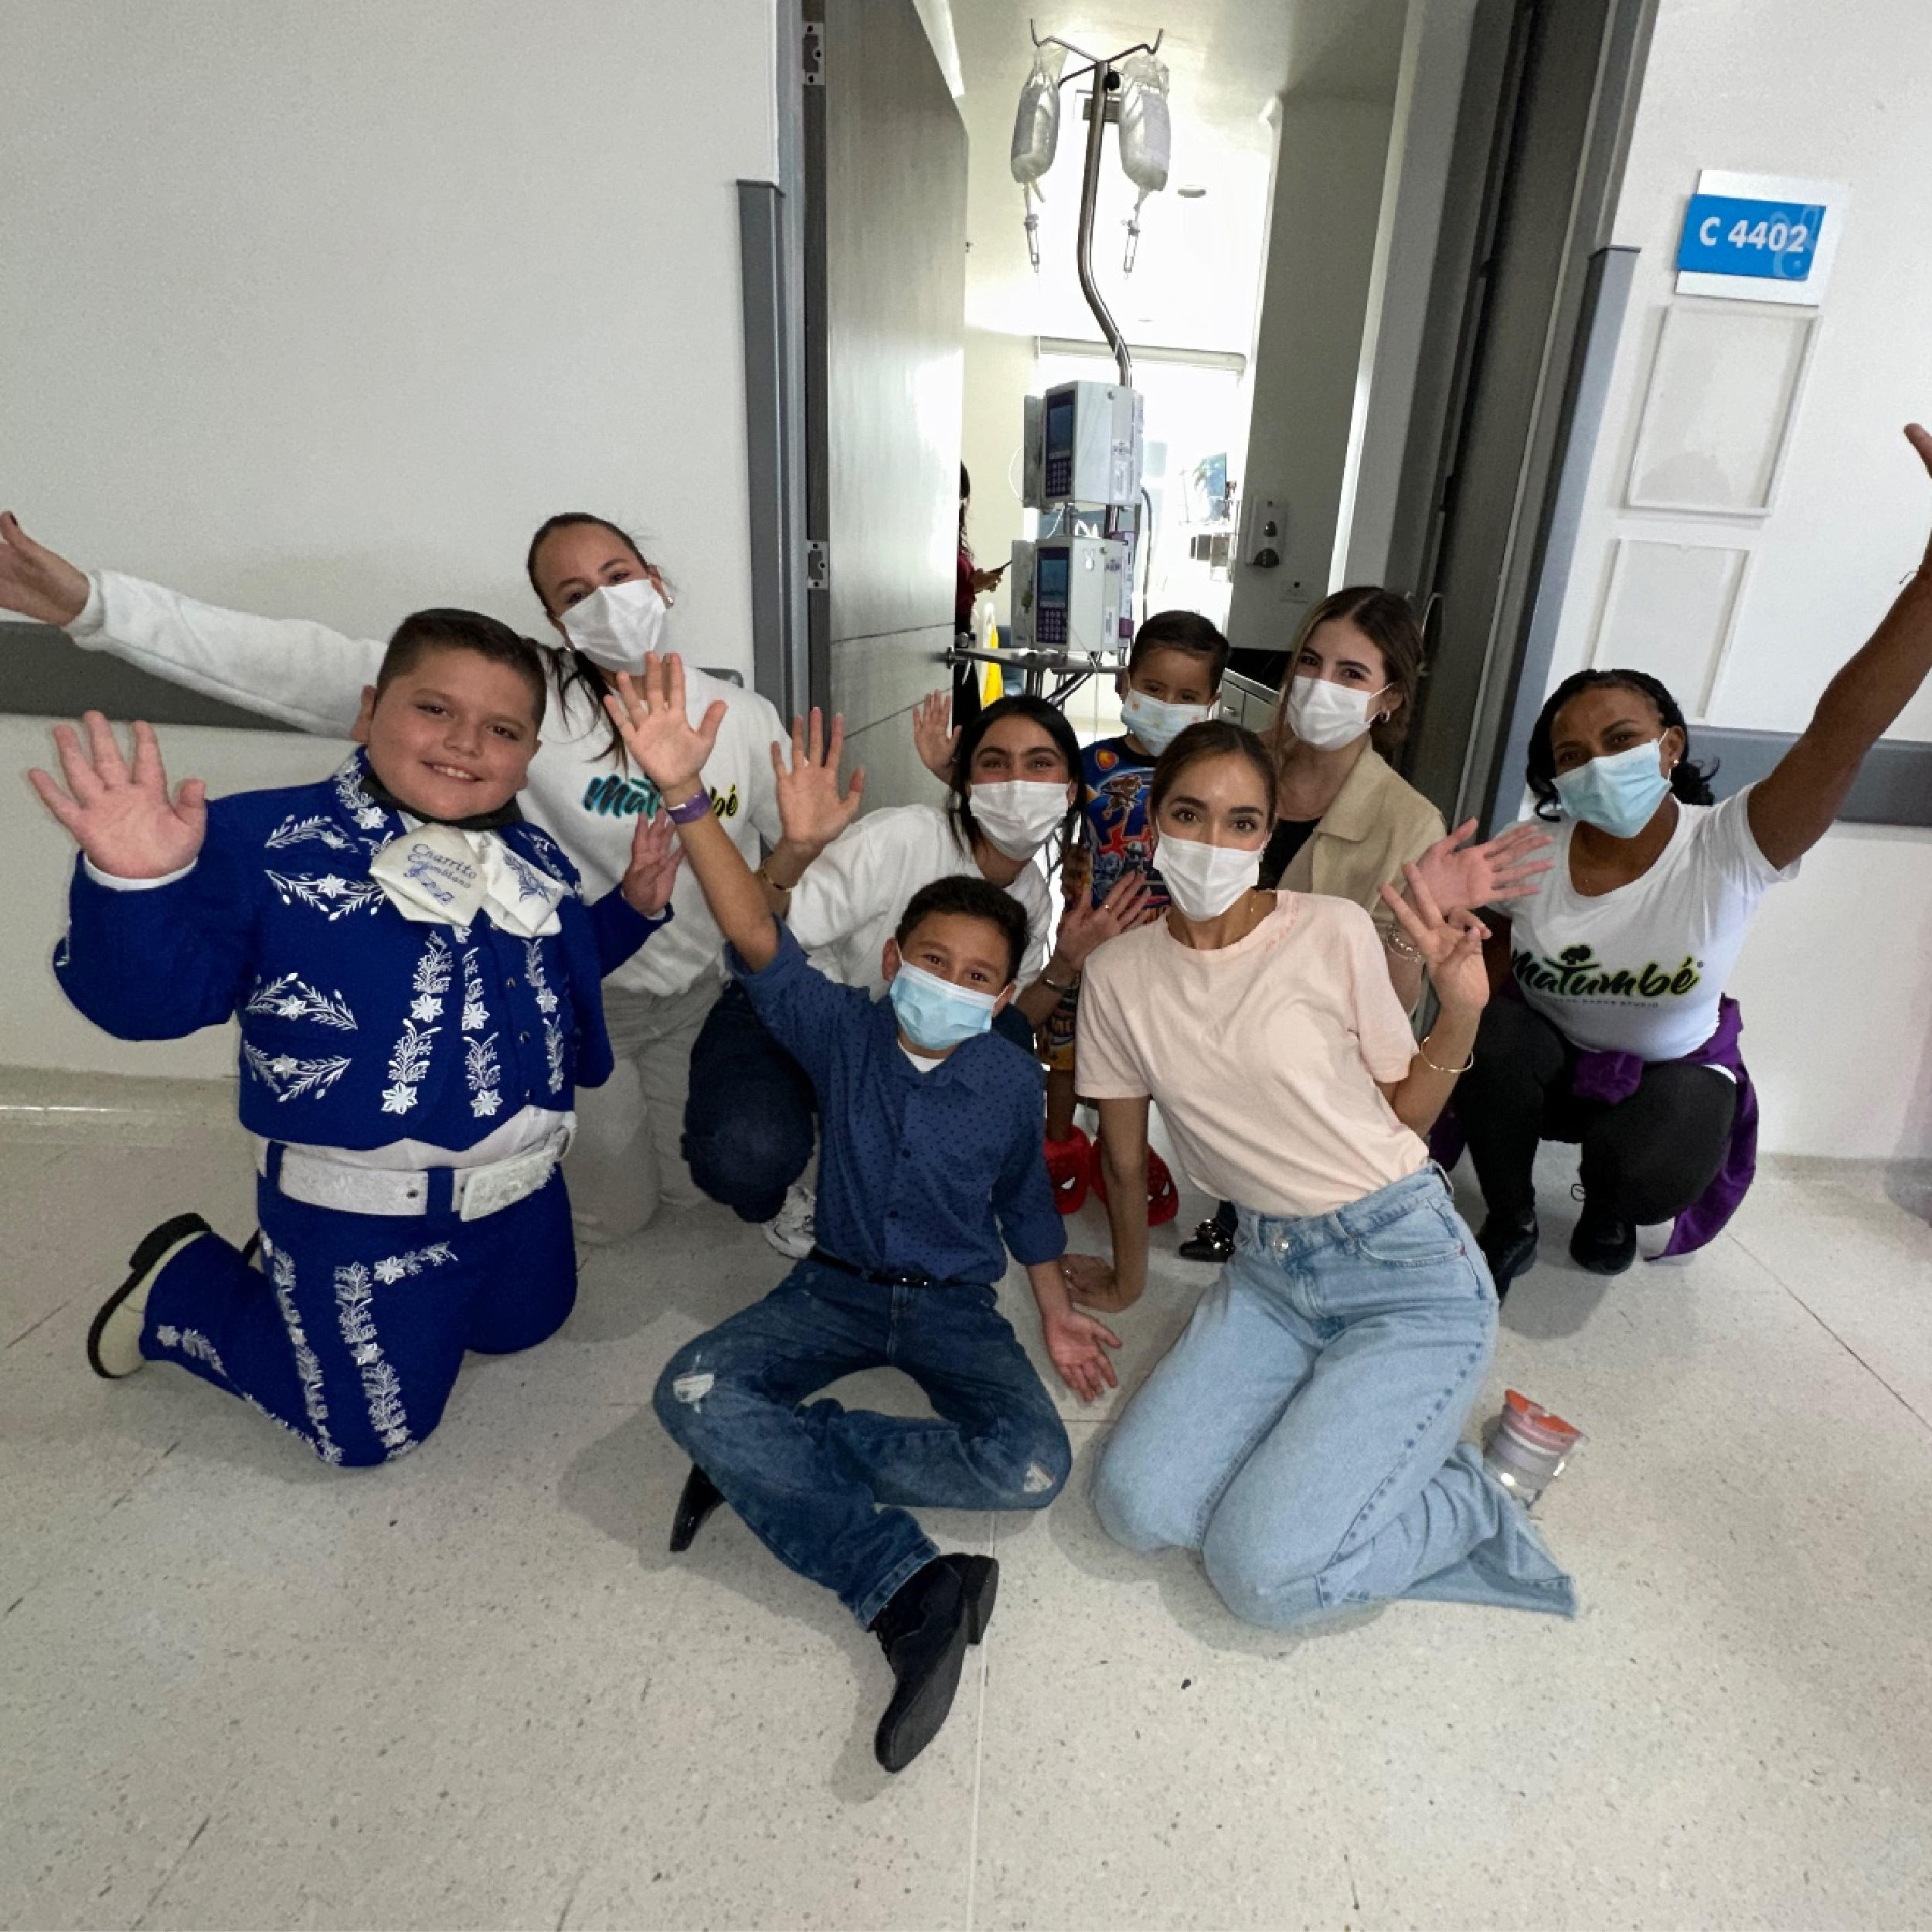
<point>440,875</point>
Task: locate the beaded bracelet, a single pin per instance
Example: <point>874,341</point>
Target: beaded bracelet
<point>1395,940</point>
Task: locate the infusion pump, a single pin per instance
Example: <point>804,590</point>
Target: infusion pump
<point>1073,585</point>
<point>1073,593</point>
<point>1083,445</point>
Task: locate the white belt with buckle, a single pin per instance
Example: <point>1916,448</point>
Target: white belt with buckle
<point>475,1191</point>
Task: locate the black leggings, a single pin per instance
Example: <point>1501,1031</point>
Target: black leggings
<point>1645,1159</point>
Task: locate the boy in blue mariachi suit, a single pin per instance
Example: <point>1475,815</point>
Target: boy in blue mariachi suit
<point>931,1153</point>
<point>418,988</point>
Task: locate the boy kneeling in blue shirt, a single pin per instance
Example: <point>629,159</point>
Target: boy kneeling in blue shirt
<point>419,989</point>
<point>930,1152</point>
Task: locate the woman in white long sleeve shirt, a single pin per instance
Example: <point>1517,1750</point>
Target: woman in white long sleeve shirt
<point>628,1154</point>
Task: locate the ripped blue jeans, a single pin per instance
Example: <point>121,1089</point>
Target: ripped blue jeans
<point>826,1488</point>
<point>1302,1434</point>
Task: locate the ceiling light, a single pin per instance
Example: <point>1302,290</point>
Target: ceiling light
<point>1190,191</point>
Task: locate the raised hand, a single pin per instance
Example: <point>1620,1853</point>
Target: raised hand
<point>653,869</point>
<point>933,736</point>
<point>812,810</point>
<point>34,580</point>
<point>669,750</point>
<point>121,816</point>
<point>1084,925</point>
<point>1076,1345</point>
<point>1451,948</point>
<point>1461,876</point>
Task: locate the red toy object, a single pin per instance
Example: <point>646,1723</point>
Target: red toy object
<point>1163,1197</point>
<point>1070,1166</point>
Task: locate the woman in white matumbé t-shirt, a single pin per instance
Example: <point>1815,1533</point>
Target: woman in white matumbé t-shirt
<point>1617,1031</point>
<point>1302,1435</point>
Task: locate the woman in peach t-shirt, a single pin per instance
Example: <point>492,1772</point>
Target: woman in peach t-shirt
<point>1302,1434</point>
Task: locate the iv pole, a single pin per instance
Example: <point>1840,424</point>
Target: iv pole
<point>1106,97</point>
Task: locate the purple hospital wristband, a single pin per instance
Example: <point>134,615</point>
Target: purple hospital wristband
<point>696,807</point>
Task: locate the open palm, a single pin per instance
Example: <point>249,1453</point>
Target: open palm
<point>1451,946</point>
<point>120,815</point>
<point>1461,876</point>
<point>658,732</point>
<point>812,808</point>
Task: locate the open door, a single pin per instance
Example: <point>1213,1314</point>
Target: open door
<point>1541,304</point>
<point>885,253</point>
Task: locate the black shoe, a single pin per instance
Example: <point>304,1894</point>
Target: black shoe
<point>1509,1244</point>
<point>699,1498</point>
<point>979,1578</point>
<point>924,1631</point>
<point>1602,1243</point>
<point>1213,1240</point>
<point>113,1340</point>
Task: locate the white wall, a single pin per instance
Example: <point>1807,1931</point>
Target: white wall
<point>320,310</point>
<point>1836,980</point>
<point>323,308</point>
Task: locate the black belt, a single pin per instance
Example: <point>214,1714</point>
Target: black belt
<point>882,1278</point>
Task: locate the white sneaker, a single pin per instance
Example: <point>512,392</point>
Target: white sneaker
<point>792,1230</point>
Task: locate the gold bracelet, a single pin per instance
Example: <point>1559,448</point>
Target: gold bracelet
<point>1057,987</point>
<point>767,878</point>
<point>1395,940</point>
<point>1422,1053</point>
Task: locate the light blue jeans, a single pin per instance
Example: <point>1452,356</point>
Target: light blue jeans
<point>1302,1434</point>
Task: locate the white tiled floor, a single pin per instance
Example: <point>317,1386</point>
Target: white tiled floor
<point>474,1690</point>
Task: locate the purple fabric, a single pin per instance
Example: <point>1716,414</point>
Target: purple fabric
<point>1611,1077</point>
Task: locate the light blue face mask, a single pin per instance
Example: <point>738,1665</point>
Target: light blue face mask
<point>1618,793</point>
<point>934,1014</point>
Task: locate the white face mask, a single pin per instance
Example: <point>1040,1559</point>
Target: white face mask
<point>1157,723</point>
<point>1326,714</point>
<point>617,624</point>
<point>1205,880</point>
<point>1017,814</point>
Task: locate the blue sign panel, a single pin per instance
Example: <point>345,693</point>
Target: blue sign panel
<point>1767,240</point>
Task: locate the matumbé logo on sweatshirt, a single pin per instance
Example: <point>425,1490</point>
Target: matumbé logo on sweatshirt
<point>1576,973</point>
<point>613,796</point>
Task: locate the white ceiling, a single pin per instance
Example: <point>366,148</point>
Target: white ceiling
<point>1197,279</point>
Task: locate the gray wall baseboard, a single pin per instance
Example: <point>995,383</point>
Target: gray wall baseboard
<point>44,674</point>
<point>1894,787</point>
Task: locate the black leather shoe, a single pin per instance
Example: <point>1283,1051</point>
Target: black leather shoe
<point>979,1578</point>
<point>1602,1243</point>
<point>114,1339</point>
<point>700,1498</point>
<point>1509,1244</point>
<point>924,1631</point>
<point>1213,1240</point>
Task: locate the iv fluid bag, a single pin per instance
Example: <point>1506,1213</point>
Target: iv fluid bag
<point>1145,136</point>
<point>1036,127</point>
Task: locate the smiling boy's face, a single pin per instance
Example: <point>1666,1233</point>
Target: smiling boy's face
<point>452,735</point>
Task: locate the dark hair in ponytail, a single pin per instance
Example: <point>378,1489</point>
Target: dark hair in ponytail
<point>1691,783</point>
<point>570,670</point>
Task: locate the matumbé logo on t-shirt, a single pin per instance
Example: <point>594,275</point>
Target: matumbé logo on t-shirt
<point>1576,973</point>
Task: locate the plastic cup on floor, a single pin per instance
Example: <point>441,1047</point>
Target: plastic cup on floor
<point>1526,1448</point>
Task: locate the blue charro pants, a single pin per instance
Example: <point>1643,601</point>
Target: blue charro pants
<point>351,1333</point>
